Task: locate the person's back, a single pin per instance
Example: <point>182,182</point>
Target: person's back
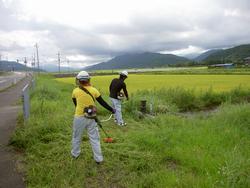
<point>115,87</point>
<point>84,97</point>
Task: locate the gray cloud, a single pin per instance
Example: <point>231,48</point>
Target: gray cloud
<point>12,47</point>
<point>225,24</point>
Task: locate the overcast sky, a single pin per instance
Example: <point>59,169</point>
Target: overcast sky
<point>93,31</point>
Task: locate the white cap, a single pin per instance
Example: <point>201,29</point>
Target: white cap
<point>83,76</point>
<point>124,73</point>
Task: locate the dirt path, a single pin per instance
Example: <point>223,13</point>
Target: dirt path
<point>9,176</point>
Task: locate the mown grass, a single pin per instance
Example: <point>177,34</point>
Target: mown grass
<point>148,82</point>
<point>205,150</point>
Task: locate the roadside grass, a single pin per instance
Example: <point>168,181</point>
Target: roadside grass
<point>161,151</point>
<point>4,73</point>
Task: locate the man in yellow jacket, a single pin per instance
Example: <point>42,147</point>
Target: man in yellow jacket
<point>84,98</point>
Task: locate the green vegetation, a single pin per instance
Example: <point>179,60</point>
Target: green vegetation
<point>2,73</point>
<point>148,82</point>
<point>232,55</point>
<point>197,70</point>
<point>206,149</point>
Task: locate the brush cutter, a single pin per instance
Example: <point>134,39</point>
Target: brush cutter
<point>90,113</point>
<point>120,96</point>
<point>108,139</point>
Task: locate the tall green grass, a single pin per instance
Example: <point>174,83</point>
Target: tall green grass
<point>164,151</point>
<point>183,100</point>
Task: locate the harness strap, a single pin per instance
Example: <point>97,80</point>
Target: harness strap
<point>86,91</point>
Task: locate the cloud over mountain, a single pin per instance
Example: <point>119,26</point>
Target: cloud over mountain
<point>99,30</point>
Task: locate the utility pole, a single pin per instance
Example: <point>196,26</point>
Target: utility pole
<point>37,58</point>
<point>59,62</point>
<point>33,62</point>
<point>25,62</point>
<point>68,64</point>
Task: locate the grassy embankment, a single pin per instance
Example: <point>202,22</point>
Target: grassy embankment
<point>165,151</point>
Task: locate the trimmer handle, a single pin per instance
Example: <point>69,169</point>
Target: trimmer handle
<point>100,125</point>
<point>98,122</point>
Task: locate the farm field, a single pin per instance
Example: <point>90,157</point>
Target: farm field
<point>188,141</point>
<point>149,82</point>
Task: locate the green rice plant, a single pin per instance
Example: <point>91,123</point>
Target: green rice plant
<point>219,83</point>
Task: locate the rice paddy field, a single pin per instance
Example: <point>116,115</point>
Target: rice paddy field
<point>135,82</point>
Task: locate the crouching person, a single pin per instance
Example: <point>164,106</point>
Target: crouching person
<point>84,98</point>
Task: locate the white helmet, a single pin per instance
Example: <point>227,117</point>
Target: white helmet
<point>124,73</point>
<point>83,76</point>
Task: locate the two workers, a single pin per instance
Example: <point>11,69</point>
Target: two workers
<point>84,98</point>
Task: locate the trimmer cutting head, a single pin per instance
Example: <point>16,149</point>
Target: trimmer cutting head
<point>108,140</point>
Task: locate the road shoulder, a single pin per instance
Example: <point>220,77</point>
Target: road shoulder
<point>10,174</point>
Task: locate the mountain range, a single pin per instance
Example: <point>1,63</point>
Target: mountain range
<point>204,55</point>
<point>149,60</point>
<point>14,66</point>
<point>152,60</point>
<point>231,55</point>
<point>139,60</point>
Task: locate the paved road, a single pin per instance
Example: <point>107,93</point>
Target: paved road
<point>10,79</point>
<point>9,175</point>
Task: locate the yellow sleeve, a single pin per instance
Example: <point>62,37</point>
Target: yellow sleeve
<point>96,93</point>
<point>73,94</point>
